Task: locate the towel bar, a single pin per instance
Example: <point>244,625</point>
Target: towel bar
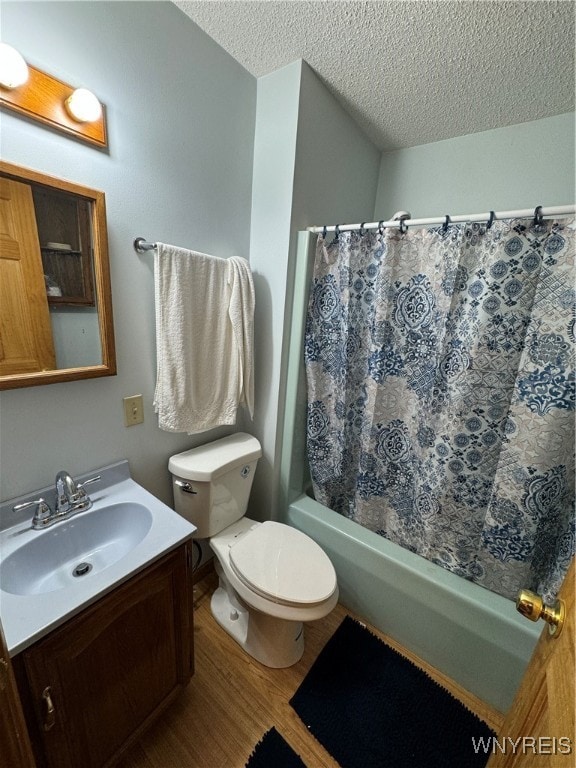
<point>141,246</point>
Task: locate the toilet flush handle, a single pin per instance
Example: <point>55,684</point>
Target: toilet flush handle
<point>185,486</point>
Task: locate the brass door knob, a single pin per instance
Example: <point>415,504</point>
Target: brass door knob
<point>533,607</point>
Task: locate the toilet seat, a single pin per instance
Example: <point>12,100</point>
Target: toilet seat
<point>282,564</point>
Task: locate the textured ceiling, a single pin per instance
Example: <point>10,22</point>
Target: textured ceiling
<point>414,71</point>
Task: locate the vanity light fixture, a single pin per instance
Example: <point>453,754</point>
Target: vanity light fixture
<point>39,96</point>
<point>83,106</point>
<point>13,68</point>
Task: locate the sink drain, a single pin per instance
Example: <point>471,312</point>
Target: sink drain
<point>82,569</point>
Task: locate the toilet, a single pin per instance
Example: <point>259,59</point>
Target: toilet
<point>272,577</point>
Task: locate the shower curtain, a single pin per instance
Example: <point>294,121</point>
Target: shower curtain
<point>440,370</point>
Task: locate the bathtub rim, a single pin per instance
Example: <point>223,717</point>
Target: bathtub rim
<point>458,588</point>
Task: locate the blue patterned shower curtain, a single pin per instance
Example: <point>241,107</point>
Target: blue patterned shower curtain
<point>440,369</point>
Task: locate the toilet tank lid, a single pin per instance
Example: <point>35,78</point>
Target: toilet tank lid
<point>205,462</point>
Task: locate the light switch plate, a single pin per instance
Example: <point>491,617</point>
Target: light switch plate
<point>133,410</point>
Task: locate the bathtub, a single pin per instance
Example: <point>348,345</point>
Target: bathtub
<point>474,636</point>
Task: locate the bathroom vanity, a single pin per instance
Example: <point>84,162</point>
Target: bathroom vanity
<point>97,655</point>
<point>90,687</point>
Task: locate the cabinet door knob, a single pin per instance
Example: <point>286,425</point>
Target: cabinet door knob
<point>50,718</point>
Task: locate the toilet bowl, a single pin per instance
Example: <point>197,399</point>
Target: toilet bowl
<point>272,577</point>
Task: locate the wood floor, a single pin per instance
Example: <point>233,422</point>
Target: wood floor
<point>232,700</point>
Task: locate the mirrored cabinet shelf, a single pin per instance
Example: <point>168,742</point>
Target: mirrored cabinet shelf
<point>68,277</point>
<point>63,223</point>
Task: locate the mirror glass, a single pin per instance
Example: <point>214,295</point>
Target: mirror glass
<point>55,298</point>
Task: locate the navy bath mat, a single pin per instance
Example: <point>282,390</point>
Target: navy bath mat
<point>372,708</point>
<point>273,752</point>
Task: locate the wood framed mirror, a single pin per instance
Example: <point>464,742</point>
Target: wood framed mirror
<point>55,297</point>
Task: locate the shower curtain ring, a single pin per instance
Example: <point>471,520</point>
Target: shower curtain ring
<point>381,227</point>
<point>324,232</point>
<point>538,218</point>
<point>491,220</point>
<point>403,227</point>
<point>362,230</point>
<point>337,231</point>
<point>445,225</point>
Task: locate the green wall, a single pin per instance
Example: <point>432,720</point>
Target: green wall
<point>520,166</point>
<point>311,162</point>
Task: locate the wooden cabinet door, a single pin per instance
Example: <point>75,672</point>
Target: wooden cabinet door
<point>15,748</point>
<point>539,730</point>
<point>28,346</point>
<point>109,671</point>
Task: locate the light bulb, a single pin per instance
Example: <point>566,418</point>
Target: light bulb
<point>83,106</point>
<point>13,68</point>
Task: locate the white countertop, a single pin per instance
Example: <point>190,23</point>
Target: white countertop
<point>28,617</point>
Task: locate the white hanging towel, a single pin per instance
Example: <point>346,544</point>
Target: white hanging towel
<point>204,339</point>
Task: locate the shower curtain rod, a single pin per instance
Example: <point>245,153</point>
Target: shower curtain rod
<point>559,210</point>
<point>403,219</point>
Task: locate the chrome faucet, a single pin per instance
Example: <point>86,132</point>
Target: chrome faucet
<point>70,499</point>
<point>43,515</point>
<point>70,495</point>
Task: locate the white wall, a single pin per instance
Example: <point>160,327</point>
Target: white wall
<point>179,169</point>
<point>520,166</point>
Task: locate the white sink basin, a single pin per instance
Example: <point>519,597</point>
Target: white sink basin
<point>76,549</point>
<point>125,530</point>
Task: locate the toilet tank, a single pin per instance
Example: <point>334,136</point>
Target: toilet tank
<point>212,483</point>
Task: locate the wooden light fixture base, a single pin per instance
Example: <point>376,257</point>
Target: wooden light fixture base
<point>42,98</point>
